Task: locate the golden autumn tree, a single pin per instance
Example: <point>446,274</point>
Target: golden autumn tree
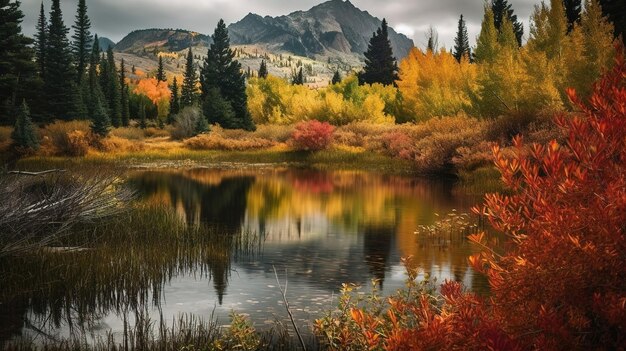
<point>435,84</point>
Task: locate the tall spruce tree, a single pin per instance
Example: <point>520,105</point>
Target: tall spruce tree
<point>380,65</point>
<point>222,74</point>
<point>263,69</point>
<point>82,40</point>
<point>24,133</point>
<point>297,77</point>
<point>189,91</point>
<point>160,76</point>
<point>573,9</point>
<point>60,73</point>
<point>461,42</point>
<point>615,11</point>
<point>124,95</point>
<point>41,42</point>
<point>336,77</point>
<point>17,68</point>
<point>502,8</point>
<point>174,102</point>
<point>113,91</point>
<point>100,122</point>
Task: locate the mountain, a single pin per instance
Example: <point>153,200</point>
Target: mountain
<point>105,43</point>
<point>156,40</point>
<point>331,28</point>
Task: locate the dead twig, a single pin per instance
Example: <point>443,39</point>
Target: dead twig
<point>284,293</point>
<point>37,173</point>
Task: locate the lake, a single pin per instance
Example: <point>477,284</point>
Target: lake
<point>209,241</point>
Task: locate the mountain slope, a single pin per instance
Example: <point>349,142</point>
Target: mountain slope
<point>171,40</point>
<point>323,31</point>
<point>105,43</point>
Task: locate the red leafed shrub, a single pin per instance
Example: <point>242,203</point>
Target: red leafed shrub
<point>312,135</point>
<point>563,283</point>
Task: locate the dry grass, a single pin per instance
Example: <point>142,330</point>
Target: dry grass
<point>5,138</point>
<point>214,141</point>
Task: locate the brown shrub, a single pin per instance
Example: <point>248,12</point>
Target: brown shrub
<point>153,132</point>
<point>5,137</point>
<point>215,141</point>
<point>117,144</point>
<point>70,138</point>
<point>128,133</point>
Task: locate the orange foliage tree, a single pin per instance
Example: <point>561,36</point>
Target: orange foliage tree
<point>158,92</point>
<point>560,285</point>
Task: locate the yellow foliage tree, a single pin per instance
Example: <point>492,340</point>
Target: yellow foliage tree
<point>158,92</point>
<point>435,84</point>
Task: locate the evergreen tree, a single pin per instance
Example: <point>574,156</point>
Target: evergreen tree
<point>17,68</point>
<point>174,102</point>
<point>142,116</point>
<point>100,123</point>
<point>263,70</point>
<point>82,40</point>
<point>160,76</point>
<point>380,65</point>
<point>112,92</point>
<point>40,42</point>
<point>433,40</point>
<point>573,10</point>
<point>94,58</point>
<point>336,77</point>
<point>95,96</point>
<point>60,73</point>
<point>124,95</point>
<point>219,110</point>
<point>615,11</point>
<point>189,89</point>
<point>222,77</point>
<point>24,134</point>
<point>298,78</point>
<point>502,8</point>
<point>461,42</point>
<point>202,126</point>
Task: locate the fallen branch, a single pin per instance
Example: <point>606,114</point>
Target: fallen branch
<point>37,173</point>
<point>284,293</point>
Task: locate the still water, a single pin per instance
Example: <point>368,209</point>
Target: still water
<point>317,229</point>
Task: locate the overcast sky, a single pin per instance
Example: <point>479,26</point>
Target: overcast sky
<point>116,18</point>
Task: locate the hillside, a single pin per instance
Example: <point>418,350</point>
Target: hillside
<point>157,40</point>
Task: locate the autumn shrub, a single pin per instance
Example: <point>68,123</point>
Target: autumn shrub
<point>5,137</point>
<point>70,138</point>
<point>276,133</point>
<point>186,121</point>
<point>114,144</point>
<point>312,135</point>
<point>152,132</point>
<point>128,133</point>
<point>562,285</point>
<point>215,141</point>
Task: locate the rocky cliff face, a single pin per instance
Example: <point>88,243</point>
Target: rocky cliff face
<point>332,27</point>
<point>161,40</point>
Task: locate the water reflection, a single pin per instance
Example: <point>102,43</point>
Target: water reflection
<point>234,226</point>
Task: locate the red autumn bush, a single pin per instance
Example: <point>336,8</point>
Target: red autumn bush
<point>560,285</point>
<point>312,135</point>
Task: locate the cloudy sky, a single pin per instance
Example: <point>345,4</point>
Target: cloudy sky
<point>116,18</point>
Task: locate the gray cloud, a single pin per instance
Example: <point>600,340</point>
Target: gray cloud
<point>116,18</point>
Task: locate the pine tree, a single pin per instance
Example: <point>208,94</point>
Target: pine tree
<point>189,90</point>
<point>41,42</point>
<point>433,40</point>
<point>615,11</point>
<point>160,76</point>
<point>94,58</point>
<point>100,123</point>
<point>218,110</point>
<point>263,70</point>
<point>60,73</point>
<point>202,126</point>
<point>174,102</point>
<point>24,134</point>
<point>112,91</point>
<point>380,65</point>
<point>17,68</point>
<point>95,96</point>
<point>124,95</point>
<point>502,8</point>
<point>142,116</point>
<point>222,74</point>
<point>298,78</point>
<point>82,40</point>
<point>461,42</point>
<point>336,77</point>
<point>573,10</point>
